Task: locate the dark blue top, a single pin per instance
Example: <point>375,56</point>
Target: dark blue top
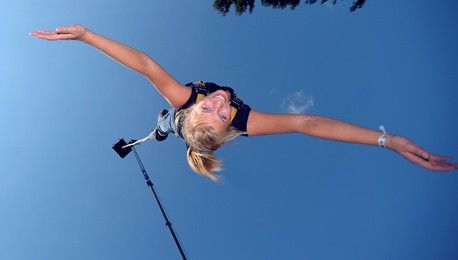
<point>167,123</point>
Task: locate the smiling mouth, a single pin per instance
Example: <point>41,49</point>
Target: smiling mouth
<point>220,97</point>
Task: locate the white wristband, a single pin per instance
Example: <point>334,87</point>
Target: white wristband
<point>382,138</point>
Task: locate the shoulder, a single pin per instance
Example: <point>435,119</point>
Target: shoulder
<point>194,89</point>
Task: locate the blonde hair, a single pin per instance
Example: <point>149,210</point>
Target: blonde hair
<point>202,140</point>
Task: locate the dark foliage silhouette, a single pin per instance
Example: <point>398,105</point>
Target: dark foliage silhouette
<point>241,6</point>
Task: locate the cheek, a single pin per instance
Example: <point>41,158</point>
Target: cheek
<point>228,110</point>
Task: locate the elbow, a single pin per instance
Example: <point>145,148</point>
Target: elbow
<point>146,63</point>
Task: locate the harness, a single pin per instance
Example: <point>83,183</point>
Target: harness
<point>166,118</point>
<point>202,89</point>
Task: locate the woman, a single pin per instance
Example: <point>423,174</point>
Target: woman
<point>206,115</point>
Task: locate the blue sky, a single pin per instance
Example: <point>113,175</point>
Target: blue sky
<point>66,195</point>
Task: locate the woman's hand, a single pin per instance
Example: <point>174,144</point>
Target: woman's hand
<point>418,155</point>
<point>74,32</point>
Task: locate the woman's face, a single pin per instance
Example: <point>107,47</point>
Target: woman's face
<point>215,110</point>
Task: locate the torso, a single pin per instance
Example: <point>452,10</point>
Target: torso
<point>240,111</point>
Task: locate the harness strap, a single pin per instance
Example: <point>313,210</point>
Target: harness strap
<point>203,89</point>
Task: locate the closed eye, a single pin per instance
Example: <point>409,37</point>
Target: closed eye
<point>223,117</point>
<point>206,109</point>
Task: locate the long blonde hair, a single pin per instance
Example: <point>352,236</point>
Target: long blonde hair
<point>202,140</point>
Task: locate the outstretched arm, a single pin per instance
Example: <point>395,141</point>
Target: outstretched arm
<point>172,90</point>
<point>331,129</point>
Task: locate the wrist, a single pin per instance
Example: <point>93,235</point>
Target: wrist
<point>389,141</point>
<point>86,35</point>
<point>385,140</point>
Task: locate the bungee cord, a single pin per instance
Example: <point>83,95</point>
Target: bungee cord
<point>123,149</point>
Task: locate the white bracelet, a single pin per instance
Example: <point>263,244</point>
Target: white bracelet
<point>382,138</point>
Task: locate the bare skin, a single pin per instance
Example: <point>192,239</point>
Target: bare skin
<point>216,111</point>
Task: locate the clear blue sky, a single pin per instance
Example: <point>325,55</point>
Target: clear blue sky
<point>64,194</point>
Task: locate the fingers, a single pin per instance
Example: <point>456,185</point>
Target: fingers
<point>47,35</point>
<point>42,32</point>
<point>432,164</point>
<point>51,35</point>
<point>411,147</point>
<point>416,149</point>
<point>439,158</point>
<point>418,155</point>
<point>59,30</point>
<point>435,159</point>
<point>417,160</point>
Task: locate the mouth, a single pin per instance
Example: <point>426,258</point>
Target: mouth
<point>220,96</point>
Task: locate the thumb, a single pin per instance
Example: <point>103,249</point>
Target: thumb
<point>62,29</point>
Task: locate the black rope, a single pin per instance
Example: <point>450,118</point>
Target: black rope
<point>167,222</point>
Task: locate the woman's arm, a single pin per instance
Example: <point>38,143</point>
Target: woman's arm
<point>331,129</point>
<point>175,93</point>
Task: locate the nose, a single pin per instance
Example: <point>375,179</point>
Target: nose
<point>217,104</point>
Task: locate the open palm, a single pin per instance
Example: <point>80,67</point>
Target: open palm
<point>73,32</point>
